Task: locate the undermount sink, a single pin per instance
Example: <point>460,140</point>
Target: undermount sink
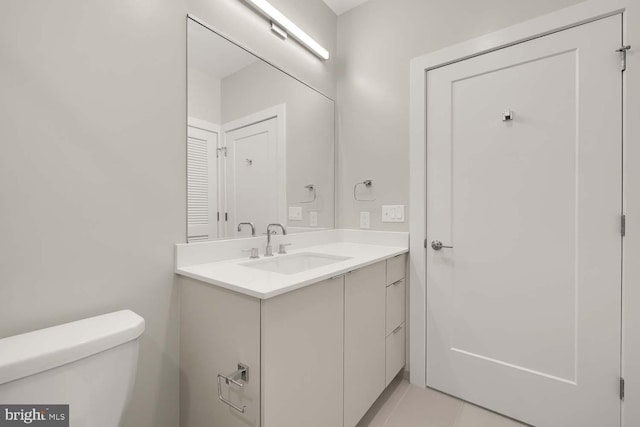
<point>294,263</point>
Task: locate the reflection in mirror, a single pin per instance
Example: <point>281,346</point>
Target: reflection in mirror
<point>260,144</point>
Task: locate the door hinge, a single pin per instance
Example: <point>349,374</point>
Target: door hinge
<point>623,50</point>
<point>218,216</point>
<point>621,388</point>
<point>425,243</point>
<point>226,216</point>
<point>222,150</point>
<point>623,225</point>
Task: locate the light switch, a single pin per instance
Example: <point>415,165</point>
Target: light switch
<point>295,213</point>
<point>313,219</point>
<point>365,219</point>
<point>393,213</point>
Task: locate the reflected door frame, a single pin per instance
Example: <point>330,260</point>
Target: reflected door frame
<point>553,22</point>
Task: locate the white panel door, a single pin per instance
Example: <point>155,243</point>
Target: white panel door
<point>202,184</point>
<point>523,313</point>
<point>252,172</point>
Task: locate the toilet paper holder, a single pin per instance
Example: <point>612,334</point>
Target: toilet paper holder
<point>241,374</point>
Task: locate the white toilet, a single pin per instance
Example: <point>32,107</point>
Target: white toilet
<point>89,364</point>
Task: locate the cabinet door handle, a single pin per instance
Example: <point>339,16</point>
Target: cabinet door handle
<point>397,329</point>
<point>241,374</point>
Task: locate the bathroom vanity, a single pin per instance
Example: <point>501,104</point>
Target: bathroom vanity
<point>308,346</point>
<point>304,339</point>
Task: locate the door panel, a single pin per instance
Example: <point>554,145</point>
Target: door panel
<point>524,311</point>
<point>527,200</point>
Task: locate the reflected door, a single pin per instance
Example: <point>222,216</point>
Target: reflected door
<point>202,184</point>
<point>524,181</point>
<point>252,170</point>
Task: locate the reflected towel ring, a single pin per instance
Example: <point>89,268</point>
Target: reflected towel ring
<point>366,183</point>
<point>310,187</point>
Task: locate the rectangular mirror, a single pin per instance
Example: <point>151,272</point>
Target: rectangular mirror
<point>260,146</point>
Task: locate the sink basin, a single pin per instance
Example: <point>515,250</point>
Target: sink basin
<point>295,263</point>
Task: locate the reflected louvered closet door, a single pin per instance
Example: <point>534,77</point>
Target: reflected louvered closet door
<point>202,185</point>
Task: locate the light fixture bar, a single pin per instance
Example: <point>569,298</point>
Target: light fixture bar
<point>292,29</point>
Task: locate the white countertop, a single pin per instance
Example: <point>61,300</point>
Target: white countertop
<point>230,274</point>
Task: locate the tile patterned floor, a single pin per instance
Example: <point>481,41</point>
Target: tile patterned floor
<point>405,405</point>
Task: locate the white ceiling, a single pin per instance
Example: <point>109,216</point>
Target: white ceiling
<point>206,48</point>
<point>341,6</point>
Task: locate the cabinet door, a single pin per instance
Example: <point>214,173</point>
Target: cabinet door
<point>396,354</point>
<point>364,340</point>
<point>218,330</point>
<point>302,350</point>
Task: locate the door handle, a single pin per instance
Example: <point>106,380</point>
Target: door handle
<point>437,245</point>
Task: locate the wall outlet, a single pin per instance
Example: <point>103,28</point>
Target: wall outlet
<point>393,213</point>
<point>313,219</point>
<point>295,213</point>
<point>365,219</point>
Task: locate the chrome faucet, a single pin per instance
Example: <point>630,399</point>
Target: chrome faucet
<point>269,250</point>
<point>250,224</point>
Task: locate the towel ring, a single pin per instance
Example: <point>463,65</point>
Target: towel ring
<point>310,187</point>
<point>366,183</point>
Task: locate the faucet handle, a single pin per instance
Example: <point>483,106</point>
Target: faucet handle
<point>254,253</point>
<point>281,248</point>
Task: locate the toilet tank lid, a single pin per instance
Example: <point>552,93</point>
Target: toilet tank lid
<point>44,349</point>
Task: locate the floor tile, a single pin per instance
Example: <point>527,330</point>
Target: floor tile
<point>425,408</point>
<point>474,416</point>
<point>381,410</point>
<point>405,405</point>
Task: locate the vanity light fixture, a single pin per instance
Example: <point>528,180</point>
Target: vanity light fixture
<point>285,24</point>
<point>278,31</point>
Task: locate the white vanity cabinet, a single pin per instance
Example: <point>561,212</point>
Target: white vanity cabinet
<point>292,345</point>
<point>317,356</point>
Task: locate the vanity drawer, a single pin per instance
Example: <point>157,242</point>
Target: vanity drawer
<point>396,268</point>
<point>395,352</point>
<point>396,297</point>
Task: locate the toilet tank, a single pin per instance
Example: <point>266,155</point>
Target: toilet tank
<point>89,364</point>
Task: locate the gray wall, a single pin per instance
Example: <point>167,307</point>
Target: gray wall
<point>376,42</point>
<point>92,174</point>
<point>92,167</point>
<point>204,96</point>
